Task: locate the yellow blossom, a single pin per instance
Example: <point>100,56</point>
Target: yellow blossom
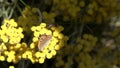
<point>28,52</point>
<point>41,60</point>
<point>51,48</point>
<point>43,25</point>
<point>10,58</point>
<point>53,52</point>
<point>32,60</point>
<point>60,28</point>
<point>60,36</point>
<point>11,67</point>
<point>35,39</point>
<point>42,54</point>
<point>33,28</point>
<point>29,56</point>
<point>57,47</point>
<point>49,32</point>
<point>36,34</point>
<point>24,55</point>
<point>18,46</point>
<point>37,54</point>
<point>53,28</point>
<point>55,33</point>
<point>49,55</point>
<point>2,58</point>
<point>6,52</point>
<point>32,45</point>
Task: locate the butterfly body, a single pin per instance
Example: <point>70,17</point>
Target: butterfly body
<point>43,41</point>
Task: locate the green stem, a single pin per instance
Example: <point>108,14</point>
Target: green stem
<point>23,2</point>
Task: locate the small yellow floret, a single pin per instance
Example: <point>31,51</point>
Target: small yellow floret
<point>41,60</point>
<point>49,32</point>
<point>43,25</point>
<point>49,55</point>
<point>9,59</point>
<point>57,47</point>
<point>11,67</point>
<point>60,28</point>
<point>2,58</point>
<point>32,45</point>
<point>18,46</point>
<point>55,33</point>
<point>33,28</point>
<point>53,52</point>
<point>37,54</point>
<point>35,39</point>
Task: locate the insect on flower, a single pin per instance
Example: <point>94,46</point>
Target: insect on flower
<point>43,41</point>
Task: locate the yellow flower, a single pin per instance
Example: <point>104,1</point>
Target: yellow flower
<point>56,42</point>
<point>32,45</point>
<point>37,54</point>
<point>36,34</point>
<point>4,38</point>
<point>2,58</point>
<point>53,28</point>
<point>48,32</point>
<point>57,47</point>
<point>11,53</point>
<point>11,22</point>
<point>21,35</point>
<point>43,25</point>
<point>18,46</point>
<point>55,33</point>
<point>60,36</point>
<point>29,56</point>
<point>60,28</point>
<point>3,46</point>
<point>53,52</point>
<point>35,39</point>
<point>32,60</point>
<point>49,55</point>
<point>9,59</point>
<point>41,60</point>
<point>45,51</point>
<point>51,48</point>
<point>33,28</point>
<point>28,53</point>
<point>24,55</point>
<point>10,32</point>
<point>3,27</point>
<point>6,52</point>
<point>11,67</point>
<point>42,55</point>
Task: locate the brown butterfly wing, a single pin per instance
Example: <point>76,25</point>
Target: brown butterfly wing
<point>44,41</point>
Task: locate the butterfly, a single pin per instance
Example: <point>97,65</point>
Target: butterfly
<point>43,41</point>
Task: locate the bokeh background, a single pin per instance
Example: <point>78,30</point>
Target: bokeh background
<point>91,26</point>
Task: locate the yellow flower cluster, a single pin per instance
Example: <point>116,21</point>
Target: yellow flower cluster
<point>82,11</point>
<point>49,39</point>
<point>30,17</point>
<point>56,42</point>
<point>99,11</point>
<point>77,55</point>
<point>49,17</point>
<point>87,53</point>
<point>69,9</point>
<point>10,33</point>
<point>12,53</point>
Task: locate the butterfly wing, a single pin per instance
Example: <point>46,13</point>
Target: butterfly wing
<point>44,41</point>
